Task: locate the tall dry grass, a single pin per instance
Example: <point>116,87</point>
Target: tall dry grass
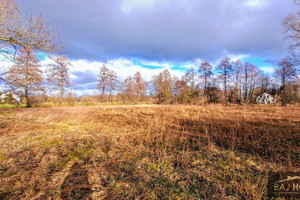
<point>145,152</point>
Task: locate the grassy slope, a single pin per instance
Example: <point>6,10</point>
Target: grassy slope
<point>146,152</point>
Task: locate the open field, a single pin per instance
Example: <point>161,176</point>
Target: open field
<point>145,152</point>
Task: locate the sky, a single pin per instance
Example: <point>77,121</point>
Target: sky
<point>152,35</point>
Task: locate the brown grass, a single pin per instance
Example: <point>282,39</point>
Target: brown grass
<point>145,152</point>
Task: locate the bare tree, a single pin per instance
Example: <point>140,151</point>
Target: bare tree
<point>133,88</point>
<point>205,70</point>
<point>112,82</point>
<point>139,85</point>
<point>225,69</point>
<point>264,82</point>
<point>107,81</point>
<point>58,76</point>
<point>285,71</point>
<point>127,89</point>
<point>248,70</point>
<point>253,80</point>
<point>180,86</point>
<point>71,98</point>
<point>18,31</point>
<point>26,75</point>
<point>182,92</point>
<point>292,27</point>
<point>191,76</point>
<point>103,80</point>
<point>162,85</point>
<point>238,72</point>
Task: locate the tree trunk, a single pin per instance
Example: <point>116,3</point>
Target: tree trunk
<point>61,86</point>
<point>246,86</point>
<point>283,96</point>
<point>225,87</point>
<point>102,98</point>
<point>28,105</point>
<point>205,85</point>
<point>110,96</point>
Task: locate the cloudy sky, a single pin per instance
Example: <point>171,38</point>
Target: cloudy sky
<point>151,35</point>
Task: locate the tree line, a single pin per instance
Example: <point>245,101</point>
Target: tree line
<point>22,38</point>
<point>229,82</point>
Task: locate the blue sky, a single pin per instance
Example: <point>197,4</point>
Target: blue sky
<point>264,65</point>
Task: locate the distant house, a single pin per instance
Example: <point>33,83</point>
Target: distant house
<point>265,98</point>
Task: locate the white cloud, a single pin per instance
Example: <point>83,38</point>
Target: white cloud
<point>237,57</point>
<point>123,68</point>
<point>256,3</point>
<point>267,69</point>
<point>84,65</point>
<point>129,5</point>
<point>233,57</point>
<point>5,65</point>
<point>158,64</point>
<point>85,92</point>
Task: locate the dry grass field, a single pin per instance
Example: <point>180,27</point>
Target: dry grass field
<point>145,152</point>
